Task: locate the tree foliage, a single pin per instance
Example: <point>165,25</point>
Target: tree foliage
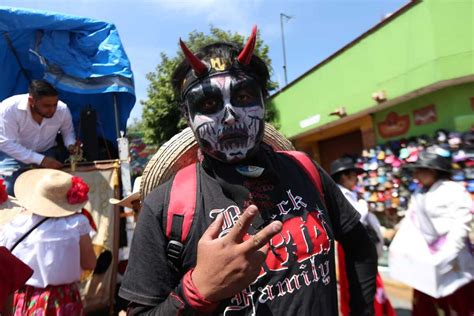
<point>161,115</point>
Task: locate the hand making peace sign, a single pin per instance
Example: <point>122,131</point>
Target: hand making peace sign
<point>225,266</point>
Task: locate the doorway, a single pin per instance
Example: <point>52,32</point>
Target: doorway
<point>333,148</point>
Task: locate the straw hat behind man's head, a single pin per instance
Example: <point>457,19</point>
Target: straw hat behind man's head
<point>50,192</point>
<point>128,200</point>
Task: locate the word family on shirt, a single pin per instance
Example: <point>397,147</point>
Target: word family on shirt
<point>298,256</point>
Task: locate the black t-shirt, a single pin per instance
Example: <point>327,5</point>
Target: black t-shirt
<point>298,277</point>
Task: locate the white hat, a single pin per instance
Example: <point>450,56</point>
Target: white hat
<point>128,200</point>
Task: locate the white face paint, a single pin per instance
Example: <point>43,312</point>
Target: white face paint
<point>226,114</point>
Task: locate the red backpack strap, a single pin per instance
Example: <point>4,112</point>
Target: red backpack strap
<point>308,166</point>
<point>181,209</point>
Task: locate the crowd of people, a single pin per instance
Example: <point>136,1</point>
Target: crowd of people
<point>248,229</point>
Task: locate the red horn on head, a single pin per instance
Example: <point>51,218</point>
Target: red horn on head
<point>198,65</point>
<point>246,54</point>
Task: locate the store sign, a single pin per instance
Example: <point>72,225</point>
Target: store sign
<point>394,125</point>
<point>310,121</point>
<point>425,115</point>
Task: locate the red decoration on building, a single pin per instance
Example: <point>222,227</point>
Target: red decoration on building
<point>394,125</point>
<point>425,115</point>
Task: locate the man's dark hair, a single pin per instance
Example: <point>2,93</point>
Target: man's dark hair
<point>227,51</point>
<point>41,88</point>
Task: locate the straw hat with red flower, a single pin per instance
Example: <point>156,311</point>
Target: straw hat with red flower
<point>51,192</point>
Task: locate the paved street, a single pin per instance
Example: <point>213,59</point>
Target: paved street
<point>400,295</point>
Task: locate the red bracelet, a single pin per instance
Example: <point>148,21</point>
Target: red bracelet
<point>193,297</point>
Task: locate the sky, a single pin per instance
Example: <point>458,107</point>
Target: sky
<point>317,28</point>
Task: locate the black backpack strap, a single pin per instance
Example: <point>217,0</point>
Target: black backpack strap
<point>181,210</point>
<point>28,232</point>
<point>175,247</point>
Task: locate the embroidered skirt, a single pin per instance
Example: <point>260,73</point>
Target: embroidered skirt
<point>58,300</point>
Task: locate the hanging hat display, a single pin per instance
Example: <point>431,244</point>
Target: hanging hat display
<point>441,135</point>
<point>454,140</point>
<point>470,186</point>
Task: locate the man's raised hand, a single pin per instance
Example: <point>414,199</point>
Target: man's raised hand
<point>227,265</point>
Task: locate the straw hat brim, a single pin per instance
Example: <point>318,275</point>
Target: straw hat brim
<point>127,201</point>
<point>181,151</point>
<point>9,210</point>
<point>27,192</point>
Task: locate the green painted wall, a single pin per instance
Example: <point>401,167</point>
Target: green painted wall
<point>450,104</point>
<point>430,42</point>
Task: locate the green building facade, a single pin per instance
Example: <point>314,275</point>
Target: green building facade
<point>409,75</point>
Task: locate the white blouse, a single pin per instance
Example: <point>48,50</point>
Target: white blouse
<point>444,211</point>
<point>51,250</point>
<point>366,217</point>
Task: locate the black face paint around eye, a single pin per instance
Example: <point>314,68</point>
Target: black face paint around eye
<point>245,92</point>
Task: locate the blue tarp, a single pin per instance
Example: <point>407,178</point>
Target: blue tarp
<point>83,58</point>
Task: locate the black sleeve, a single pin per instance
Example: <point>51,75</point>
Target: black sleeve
<point>361,269</point>
<point>150,283</point>
<point>342,214</point>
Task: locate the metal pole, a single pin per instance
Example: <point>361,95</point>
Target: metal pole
<point>116,114</point>
<point>283,45</point>
<point>283,15</point>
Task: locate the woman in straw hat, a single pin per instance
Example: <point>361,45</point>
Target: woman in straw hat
<point>53,239</point>
<point>249,193</point>
<point>441,211</point>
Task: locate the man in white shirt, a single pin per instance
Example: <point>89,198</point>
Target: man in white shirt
<point>29,124</point>
<point>344,172</point>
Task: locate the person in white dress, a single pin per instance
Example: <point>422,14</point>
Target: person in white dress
<point>57,245</point>
<point>442,212</point>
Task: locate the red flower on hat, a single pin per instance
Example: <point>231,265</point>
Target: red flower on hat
<point>3,192</point>
<point>78,191</point>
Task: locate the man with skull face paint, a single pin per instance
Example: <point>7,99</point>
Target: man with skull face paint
<point>262,239</point>
<point>226,114</point>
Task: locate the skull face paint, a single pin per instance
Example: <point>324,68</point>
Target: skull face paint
<point>226,114</point>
